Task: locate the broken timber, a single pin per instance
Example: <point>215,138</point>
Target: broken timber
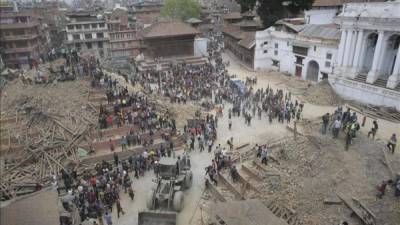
<point>362,212</point>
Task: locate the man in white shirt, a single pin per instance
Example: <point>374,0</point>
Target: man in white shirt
<point>336,127</point>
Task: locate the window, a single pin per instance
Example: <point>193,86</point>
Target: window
<point>100,35</point>
<point>19,32</point>
<point>94,26</point>
<point>88,36</point>
<point>328,55</point>
<point>275,52</point>
<point>101,24</point>
<point>21,44</point>
<point>78,26</point>
<point>89,45</point>
<point>86,26</point>
<point>300,50</point>
<point>327,64</point>
<point>315,48</point>
<point>276,45</point>
<point>265,51</point>
<point>78,46</point>
<point>70,27</point>
<point>275,63</point>
<point>23,19</point>
<point>76,37</point>
<point>265,42</point>
<point>299,60</point>
<point>100,44</point>
<point>287,43</point>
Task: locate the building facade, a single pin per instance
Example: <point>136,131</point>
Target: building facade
<point>368,65</point>
<point>169,39</point>
<point>240,43</point>
<point>87,33</point>
<point>306,51</point>
<point>325,11</point>
<point>239,35</point>
<point>20,38</point>
<point>124,45</point>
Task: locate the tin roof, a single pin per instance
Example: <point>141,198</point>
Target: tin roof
<point>193,20</point>
<point>323,31</point>
<point>248,41</point>
<point>318,3</point>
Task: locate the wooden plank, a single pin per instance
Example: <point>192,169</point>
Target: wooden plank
<point>242,146</point>
<point>251,173</point>
<point>361,213</point>
<point>215,191</point>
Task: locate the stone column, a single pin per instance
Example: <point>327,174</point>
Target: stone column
<point>357,54</point>
<point>374,72</point>
<point>341,48</point>
<point>352,49</point>
<point>394,79</point>
<point>347,50</point>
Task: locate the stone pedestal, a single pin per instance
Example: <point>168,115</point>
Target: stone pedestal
<point>393,81</point>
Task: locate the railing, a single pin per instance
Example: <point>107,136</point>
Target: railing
<point>19,37</point>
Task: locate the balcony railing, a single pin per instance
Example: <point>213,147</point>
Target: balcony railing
<point>19,37</point>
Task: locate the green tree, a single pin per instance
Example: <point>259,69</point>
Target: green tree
<point>272,10</point>
<point>246,5</point>
<point>181,9</point>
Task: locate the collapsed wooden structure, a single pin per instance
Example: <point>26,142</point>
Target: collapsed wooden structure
<point>39,145</point>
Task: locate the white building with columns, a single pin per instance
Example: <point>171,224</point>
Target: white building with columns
<point>368,60</point>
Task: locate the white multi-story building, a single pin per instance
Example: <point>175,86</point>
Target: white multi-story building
<point>359,55</point>
<point>307,51</point>
<point>87,33</point>
<point>368,62</point>
<point>325,11</point>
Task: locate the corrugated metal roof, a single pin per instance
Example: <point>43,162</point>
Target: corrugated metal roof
<point>248,41</point>
<point>193,20</point>
<point>320,31</point>
<point>318,3</point>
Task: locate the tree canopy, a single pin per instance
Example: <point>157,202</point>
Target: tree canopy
<point>181,9</point>
<point>272,10</point>
<point>246,5</point>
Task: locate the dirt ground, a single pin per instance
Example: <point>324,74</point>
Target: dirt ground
<point>310,172</point>
<point>311,169</point>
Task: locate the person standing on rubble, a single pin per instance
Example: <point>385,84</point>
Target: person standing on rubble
<point>264,155</point>
<point>325,122</point>
<point>373,130</point>
<point>336,127</point>
<point>392,143</point>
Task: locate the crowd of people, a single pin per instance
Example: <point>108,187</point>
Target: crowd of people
<point>96,192</point>
<point>348,122</point>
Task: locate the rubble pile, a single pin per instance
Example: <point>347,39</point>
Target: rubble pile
<point>45,68</point>
<point>322,94</point>
<point>41,128</point>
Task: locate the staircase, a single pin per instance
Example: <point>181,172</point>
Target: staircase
<point>362,78</point>
<point>166,63</point>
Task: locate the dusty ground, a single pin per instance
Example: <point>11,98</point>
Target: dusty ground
<point>310,174</point>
